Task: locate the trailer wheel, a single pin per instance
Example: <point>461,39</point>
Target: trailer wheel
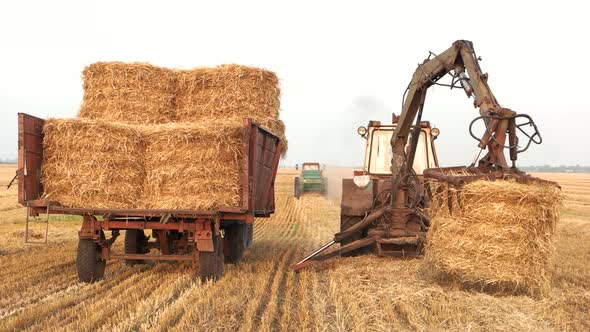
<point>250,234</point>
<point>236,239</point>
<point>135,243</point>
<point>89,264</point>
<point>345,223</point>
<point>296,187</point>
<point>211,263</point>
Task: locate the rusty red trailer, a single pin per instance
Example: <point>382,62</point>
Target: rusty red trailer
<point>206,238</point>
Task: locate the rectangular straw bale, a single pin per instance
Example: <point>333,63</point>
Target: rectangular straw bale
<point>193,165</point>
<point>227,91</point>
<point>92,164</point>
<point>129,92</point>
<point>501,237</point>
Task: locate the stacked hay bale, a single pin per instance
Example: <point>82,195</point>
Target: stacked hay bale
<point>499,236</point>
<point>230,92</point>
<point>188,126</point>
<point>192,166</point>
<point>90,163</point>
<point>227,91</point>
<point>129,92</point>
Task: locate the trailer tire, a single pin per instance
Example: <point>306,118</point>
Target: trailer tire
<point>345,223</point>
<point>250,234</point>
<point>89,264</point>
<point>135,243</point>
<point>236,239</point>
<point>211,263</point>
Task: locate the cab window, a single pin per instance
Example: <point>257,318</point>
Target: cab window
<point>311,167</point>
<point>380,154</point>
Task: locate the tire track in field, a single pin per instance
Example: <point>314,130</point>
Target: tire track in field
<point>242,286</point>
<point>271,307</point>
<point>32,314</point>
<point>116,307</point>
<point>275,275</point>
<point>79,313</point>
<point>144,318</point>
<point>277,296</point>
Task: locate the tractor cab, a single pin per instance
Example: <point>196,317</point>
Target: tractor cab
<point>378,152</point>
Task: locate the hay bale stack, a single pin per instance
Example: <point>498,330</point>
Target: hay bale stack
<point>231,93</point>
<point>227,91</point>
<point>129,92</point>
<point>89,163</point>
<point>193,166</point>
<point>501,238</point>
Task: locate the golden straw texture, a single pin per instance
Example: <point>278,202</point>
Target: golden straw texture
<point>499,236</point>
<point>227,91</point>
<point>193,165</point>
<point>90,163</point>
<point>129,92</point>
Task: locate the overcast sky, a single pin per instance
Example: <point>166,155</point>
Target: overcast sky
<point>340,64</point>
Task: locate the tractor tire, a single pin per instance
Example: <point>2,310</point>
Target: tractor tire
<point>211,263</point>
<point>345,223</point>
<point>236,242</point>
<point>325,187</point>
<point>89,265</point>
<point>296,187</point>
<point>135,243</point>
<point>250,235</point>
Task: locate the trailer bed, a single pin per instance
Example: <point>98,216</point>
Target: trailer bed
<point>206,237</point>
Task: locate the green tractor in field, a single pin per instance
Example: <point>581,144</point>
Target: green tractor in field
<point>311,179</point>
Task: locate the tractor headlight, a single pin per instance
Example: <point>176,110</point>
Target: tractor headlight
<point>361,181</point>
<point>434,132</point>
<point>361,131</point>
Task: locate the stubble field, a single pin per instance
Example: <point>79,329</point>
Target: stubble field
<point>39,289</point>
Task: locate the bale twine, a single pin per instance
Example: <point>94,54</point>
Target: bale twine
<point>129,92</point>
<point>193,165</point>
<point>90,163</point>
<point>499,236</point>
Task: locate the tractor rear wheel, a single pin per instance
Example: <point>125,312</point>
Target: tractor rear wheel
<point>89,263</point>
<point>236,242</point>
<point>345,223</point>
<point>296,187</point>
<point>135,243</point>
<point>211,263</point>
